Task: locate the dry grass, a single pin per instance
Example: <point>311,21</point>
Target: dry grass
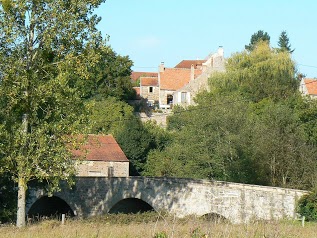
<point>176,228</point>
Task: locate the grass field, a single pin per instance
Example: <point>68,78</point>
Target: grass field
<point>154,226</point>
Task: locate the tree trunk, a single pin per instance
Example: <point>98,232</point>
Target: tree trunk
<point>21,203</point>
<point>22,183</point>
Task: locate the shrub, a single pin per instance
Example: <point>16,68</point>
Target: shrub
<point>160,235</point>
<point>307,206</point>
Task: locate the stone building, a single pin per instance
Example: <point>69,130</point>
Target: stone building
<point>101,156</point>
<point>150,90</point>
<point>172,79</point>
<point>214,63</point>
<point>308,87</point>
<point>178,85</point>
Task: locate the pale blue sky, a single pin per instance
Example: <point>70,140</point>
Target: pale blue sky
<point>154,31</point>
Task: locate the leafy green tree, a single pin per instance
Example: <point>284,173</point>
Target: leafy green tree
<point>258,74</point>
<point>45,46</point>
<point>109,115</point>
<point>257,38</point>
<point>280,148</point>
<point>110,76</point>
<point>307,206</point>
<point>136,142</point>
<point>283,43</point>
<point>206,140</point>
<point>138,139</point>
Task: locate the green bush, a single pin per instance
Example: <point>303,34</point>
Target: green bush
<point>307,206</point>
<point>160,235</point>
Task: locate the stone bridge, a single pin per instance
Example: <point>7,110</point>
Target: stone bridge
<point>236,202</point>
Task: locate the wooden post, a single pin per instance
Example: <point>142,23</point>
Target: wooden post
<point>63,219</point>
<point>303,221</point>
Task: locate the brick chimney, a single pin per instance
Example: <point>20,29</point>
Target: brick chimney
<point>192,72</point>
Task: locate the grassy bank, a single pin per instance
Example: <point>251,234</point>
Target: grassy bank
<point>155,226</point>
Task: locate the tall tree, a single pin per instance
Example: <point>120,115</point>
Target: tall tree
<point>283,43</point>
<point>45,46</point>
<point>256,38</point>
<point>258,74</point>
<point>109,77</point>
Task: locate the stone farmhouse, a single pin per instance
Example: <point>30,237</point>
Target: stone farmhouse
<point>308,87</point>
<point>178,85</point>
<point>101,157</point>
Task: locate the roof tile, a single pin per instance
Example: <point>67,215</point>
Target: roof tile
<point>175,78</point>
<point>311,85</point>
<point>186,64</point>
<point>149,81</point>
<point>136,75</point>
<point>101,148</point>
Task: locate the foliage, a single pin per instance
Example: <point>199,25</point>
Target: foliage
<point>258,74</point>
<point>46,47</point>
<point>253,126</point>
<point>257,38</point>
<point>161,234</point>
<point>280,147</point>
<point>284,44</point>
<point>307,206</point>
<point>110,76</point>
<point>8,199</point>
<point>109,115</point>
<point>137,140</point>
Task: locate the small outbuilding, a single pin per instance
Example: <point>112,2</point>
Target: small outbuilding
<point>101,156</point>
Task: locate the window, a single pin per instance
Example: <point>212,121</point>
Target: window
<point>110,171</point>
<point>169,99</point>
<point>150,89</point>
<point>183,97</point>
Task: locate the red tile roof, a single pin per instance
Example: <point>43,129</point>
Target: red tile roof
<point>136,75</point>
<point>149,81</point>
<point>186,64</point>
<point>101,148</point>
<point>174,78</point>
<point>311,85</point>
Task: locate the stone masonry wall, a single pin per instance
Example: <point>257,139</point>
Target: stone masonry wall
<point>101,168</point>
<point>237,202</point>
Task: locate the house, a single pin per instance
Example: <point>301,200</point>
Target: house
<point>214,63</point>
<point>178,85</point>
<point>101,157</point>
<point>172,79</point>
<point>308,87</point>
<point>150,90</point>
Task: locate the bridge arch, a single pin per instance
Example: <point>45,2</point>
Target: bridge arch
<point>52,206</point>
<point>131,205</point>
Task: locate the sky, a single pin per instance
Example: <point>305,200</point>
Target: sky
<point>169,31</point>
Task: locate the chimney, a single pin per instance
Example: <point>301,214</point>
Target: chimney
<point>192,72</point>
<point>220,51</point>
<point>161,67</point>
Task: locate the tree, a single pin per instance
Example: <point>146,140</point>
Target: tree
<point>45,47</point>
<point>258,74</point>
<point>256,38</point>
<point>109,115</point>
<point>284,44</point>
<point>109,77</point>
<point>251,127</point>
